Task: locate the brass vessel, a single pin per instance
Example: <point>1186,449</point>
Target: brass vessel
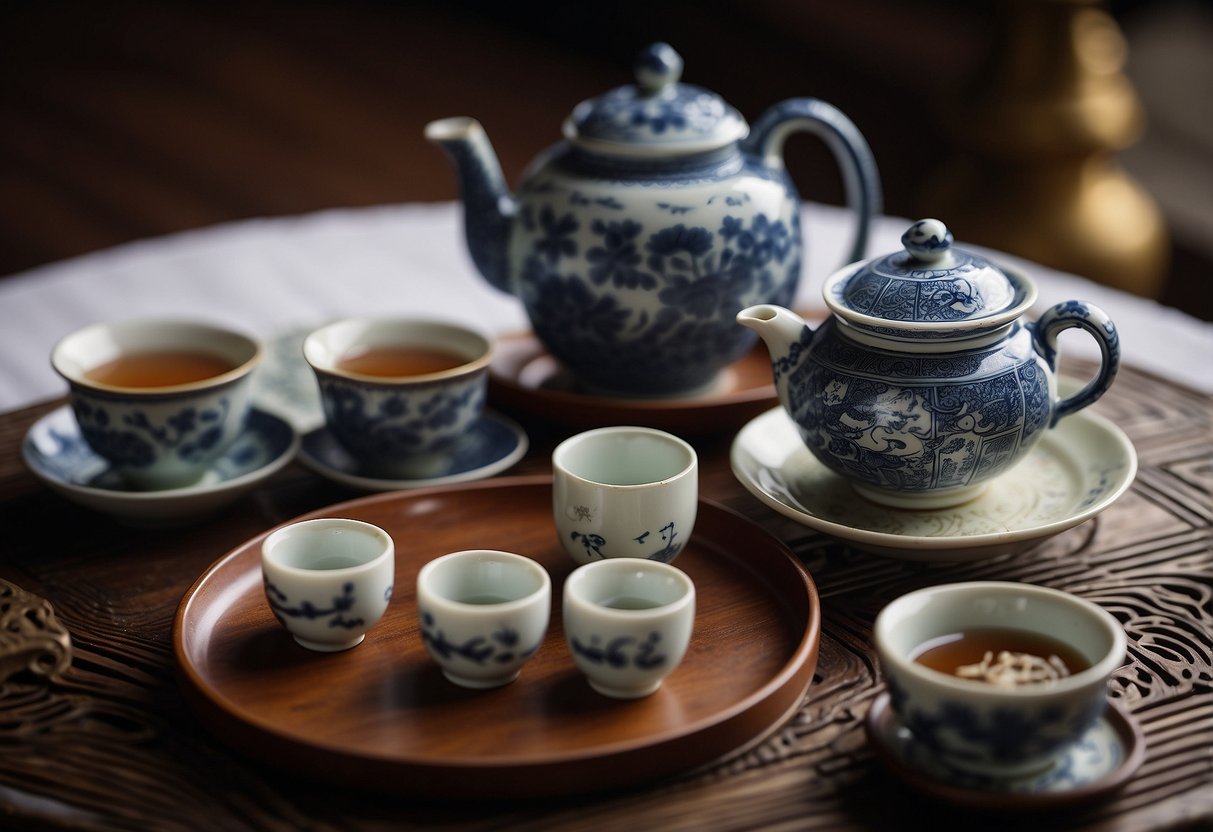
<point>1036,172</point>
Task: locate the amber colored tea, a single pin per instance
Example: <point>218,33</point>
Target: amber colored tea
<point>395,362</point>
<point>1002,657</point>
<point>160,368</point>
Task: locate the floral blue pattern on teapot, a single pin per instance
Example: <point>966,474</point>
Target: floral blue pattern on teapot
<point>926,382</point>
<point>633,243</point>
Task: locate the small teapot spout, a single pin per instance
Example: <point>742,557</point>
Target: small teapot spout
<point>787,337</point>
<point>488,206</point>
<point>780,328</point>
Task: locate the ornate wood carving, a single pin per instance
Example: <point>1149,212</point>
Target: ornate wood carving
<point>31,638</point>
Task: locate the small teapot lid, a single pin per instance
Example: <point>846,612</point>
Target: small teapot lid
<point>657,115</point>
<point>930,287</point>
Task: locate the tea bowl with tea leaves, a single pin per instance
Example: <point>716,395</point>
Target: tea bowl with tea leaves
<point>397,393</point>
<point>997,678</point>
<point>160,400</point>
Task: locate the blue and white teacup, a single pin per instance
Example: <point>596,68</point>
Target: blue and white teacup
<point>624,492</point>
<point>160,400</point>
<point>328,580</point>
<point>398,393</point>
<point>483,614</point>
<point>985,724</point>
<point>628,623</point>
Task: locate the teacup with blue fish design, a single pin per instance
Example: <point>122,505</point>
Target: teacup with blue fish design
<point>328,580</point>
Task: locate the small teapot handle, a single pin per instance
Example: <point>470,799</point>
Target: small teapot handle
<point>1063,316</point>
<point>850,149</point>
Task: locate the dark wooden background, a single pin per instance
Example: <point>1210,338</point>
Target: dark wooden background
<point>122,119</point>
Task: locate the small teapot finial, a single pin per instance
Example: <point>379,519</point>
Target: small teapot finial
<point>927,241</point>
<point>658,67</point>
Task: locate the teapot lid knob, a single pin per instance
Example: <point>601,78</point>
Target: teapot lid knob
<point>927,241</point>
<point>658,67</point>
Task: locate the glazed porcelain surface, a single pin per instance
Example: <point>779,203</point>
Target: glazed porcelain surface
<point>982,727</point>
<point>158,437</point>
<point>927,382</point>
<point>395,425</point>
<point>491,445</point>
<point>54,449</point>
<point>328,580</point>
<point>624,492</point>
<point>1100,761</point>
<point>628,623</point>
<point>483,614</point>
<point>634,242</point>
<point>1074,473</point>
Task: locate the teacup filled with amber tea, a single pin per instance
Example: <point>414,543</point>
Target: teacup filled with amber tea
<point>994,677</point>
<point>160,400</point>
<point>398,393</point>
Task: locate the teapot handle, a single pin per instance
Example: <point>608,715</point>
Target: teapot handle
<point>1073,313</point>
<point>850,149</point>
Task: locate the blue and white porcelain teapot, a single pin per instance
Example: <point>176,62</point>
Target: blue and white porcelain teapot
<point>926,381</point>
<point>634,242</point>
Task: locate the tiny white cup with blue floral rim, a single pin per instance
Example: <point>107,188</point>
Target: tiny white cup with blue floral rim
<point>399,414</point>
<point>328,580</point>
<point>160,400</point>
<point>971,724</point>
<point>628,623</point>
<point>624,492</point>
<point>483,614</point>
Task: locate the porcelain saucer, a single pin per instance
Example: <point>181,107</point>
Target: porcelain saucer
<point>55,451</point>
<point>1103,760</point>
<point>490,446</point>
<point>1076,471</point>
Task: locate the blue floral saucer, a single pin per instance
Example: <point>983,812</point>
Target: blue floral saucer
<point>1077,470</point>
<point>492,445</point>
<point>1103,760</point>
<point>55,451</point>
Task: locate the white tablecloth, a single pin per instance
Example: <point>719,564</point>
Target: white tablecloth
<point>271,276</point>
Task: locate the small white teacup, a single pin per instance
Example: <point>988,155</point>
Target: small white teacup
<point>160,400</point>
<point>624,492</point>
<point>989,701</point>
<point>328,580</point>
<point>397,392</point>
<point>628,623</point>
<point>483,614</point>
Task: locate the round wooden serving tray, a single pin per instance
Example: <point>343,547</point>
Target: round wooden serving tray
<point>382,716</point>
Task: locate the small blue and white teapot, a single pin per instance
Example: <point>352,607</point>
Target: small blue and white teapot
<point>634,243</point>
<point>926,382</point>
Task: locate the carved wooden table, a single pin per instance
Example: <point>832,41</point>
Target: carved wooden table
<point>109,743</point>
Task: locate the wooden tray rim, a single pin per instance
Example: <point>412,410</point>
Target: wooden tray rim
<point>213,707</point>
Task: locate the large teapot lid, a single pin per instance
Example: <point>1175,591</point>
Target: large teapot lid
<point>657,115</point>
<point>929,290</point>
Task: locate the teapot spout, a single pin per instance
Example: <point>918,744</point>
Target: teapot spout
<point>779,328</point>
<point>786,335</point>
<point>488,206</point>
